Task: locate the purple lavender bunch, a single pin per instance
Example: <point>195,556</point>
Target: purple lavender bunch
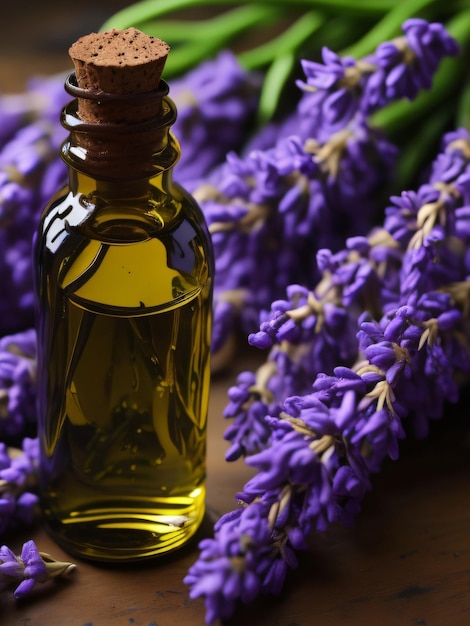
<point>216,102</point>
<point>18,478</point>
<point>315,462</point>
<point>326,444</point>
<point>271,210</point>
<point>421,248</point>
<point>28,569</point>
<point>17,384</point>
<point>30,171</point>
<point>312,331</point>
<point>342,91</point>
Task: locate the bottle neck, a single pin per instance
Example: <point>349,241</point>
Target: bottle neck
<point>127,146</point>
<point>80,182</point>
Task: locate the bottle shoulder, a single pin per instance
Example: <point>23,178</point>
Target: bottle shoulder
<point>119,218</point>
<point>125,255</point>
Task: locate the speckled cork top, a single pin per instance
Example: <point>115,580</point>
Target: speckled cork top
<point>118,62</point>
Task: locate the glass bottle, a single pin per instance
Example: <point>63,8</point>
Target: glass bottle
<point>124,285</point>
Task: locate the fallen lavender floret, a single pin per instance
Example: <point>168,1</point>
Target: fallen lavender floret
<point>30,568</point>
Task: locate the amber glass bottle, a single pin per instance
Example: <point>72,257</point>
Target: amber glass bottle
<point>124,286</point>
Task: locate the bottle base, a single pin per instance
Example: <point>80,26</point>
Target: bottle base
<point>125,534</point>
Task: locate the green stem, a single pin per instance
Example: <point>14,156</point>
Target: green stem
<point>220,27</point>
<point>462,116</point>
<point>205,37</point>
<point>147,10</point>
<point>285,43</point>
<point>275,78</point>
<point>173,31</point>
<point>415,154</point>
<point>184,58</point>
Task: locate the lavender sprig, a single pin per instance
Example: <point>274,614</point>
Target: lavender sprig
<point>30,568</point>
<point>315,465</point>
<point>270,211</point>
<point>373,274</point>
<point>343,89</point>
<point>326,444</point>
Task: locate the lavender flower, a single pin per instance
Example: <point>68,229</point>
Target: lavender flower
<point>406,65</point>
<point>433,330</point>
<point>318,330</point>
<point>340,91</point>
<point>270,212</point>
<point>30,568</point>
<point>250,400</point>
<point>31,170</point>
<point>334,90</point>
<point>452,160</point>
<point>325,444</point>
<point>405,290</point>
<point>17,384</point>
<point>247,557</point>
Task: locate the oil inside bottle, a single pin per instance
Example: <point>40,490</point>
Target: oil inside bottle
<point>123,473</point>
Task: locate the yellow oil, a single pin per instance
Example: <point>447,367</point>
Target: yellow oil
<point>124,331</point>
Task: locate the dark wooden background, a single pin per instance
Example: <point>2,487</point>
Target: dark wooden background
<point>36,34</point>
<point>406,562</point>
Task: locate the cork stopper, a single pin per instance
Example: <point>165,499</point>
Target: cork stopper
<point>118,62</point>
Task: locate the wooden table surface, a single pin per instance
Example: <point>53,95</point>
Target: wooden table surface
<point>406,562</point>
